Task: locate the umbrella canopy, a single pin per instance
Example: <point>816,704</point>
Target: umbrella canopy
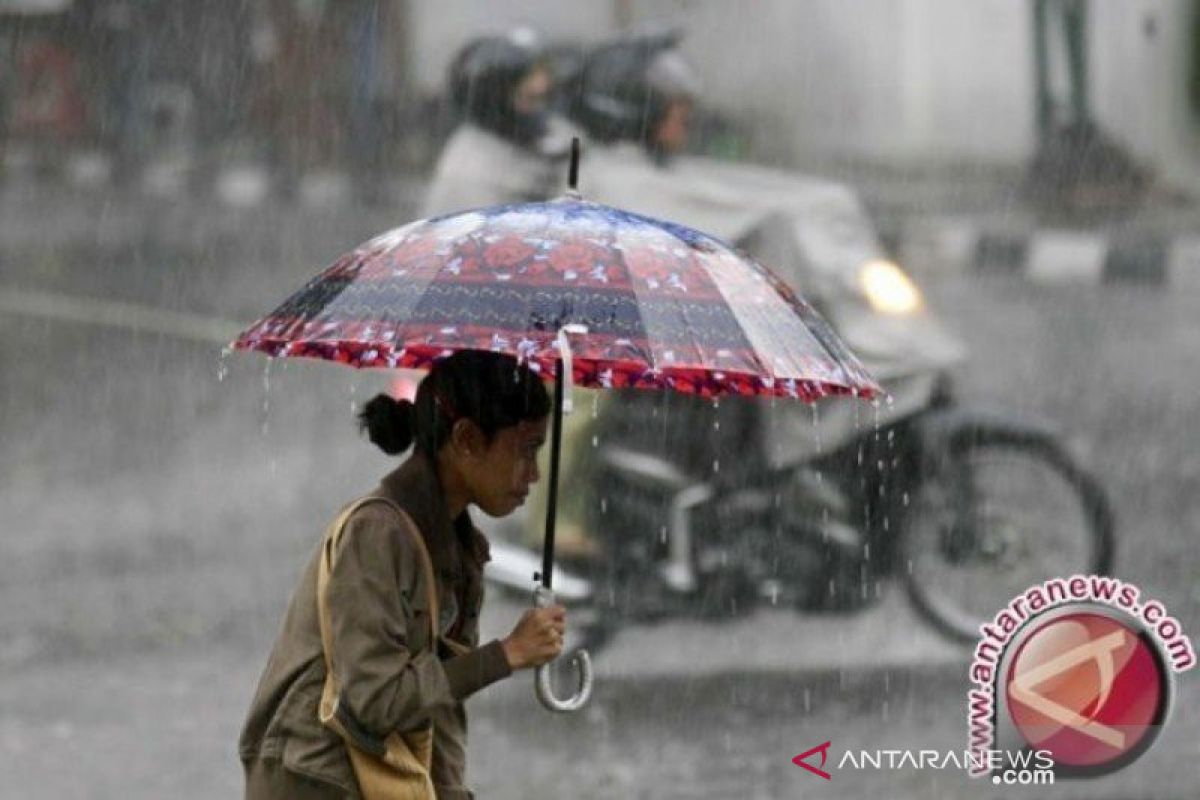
<point>665,306</point>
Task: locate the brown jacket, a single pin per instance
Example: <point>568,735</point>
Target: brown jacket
<point>379,616</point>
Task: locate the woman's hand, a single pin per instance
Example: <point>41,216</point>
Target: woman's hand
<point>537,638</point>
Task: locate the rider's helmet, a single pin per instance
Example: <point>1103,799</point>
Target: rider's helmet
<point>625,90</point>
<point>486,77</point>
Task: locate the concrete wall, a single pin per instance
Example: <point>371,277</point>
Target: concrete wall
<point>890,81</point>
<point>1140,59</point>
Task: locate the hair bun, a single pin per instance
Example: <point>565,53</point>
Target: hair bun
<point>389,423</point>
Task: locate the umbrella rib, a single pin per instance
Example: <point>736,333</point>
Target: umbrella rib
<point>645,331</point>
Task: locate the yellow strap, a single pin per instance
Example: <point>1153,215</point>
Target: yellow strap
<point>325,569</point>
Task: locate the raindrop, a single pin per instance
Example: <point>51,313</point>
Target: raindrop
<point>904,499</point>
<point>595,405</point>
<point>603,505</point>
<point>716,424</point>
<point>884,714</point>
<point>716,465</point>
<point>266,405</point>
<point>817,426</point>
<point>662,534</point>
<point>222,364</point>
<point>595,441</point>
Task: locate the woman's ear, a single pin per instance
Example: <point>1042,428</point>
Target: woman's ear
<point>467,439</point>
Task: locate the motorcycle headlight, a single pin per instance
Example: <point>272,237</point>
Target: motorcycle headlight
<point>888,288</point>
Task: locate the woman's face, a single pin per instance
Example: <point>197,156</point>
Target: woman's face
<point>500,477</point>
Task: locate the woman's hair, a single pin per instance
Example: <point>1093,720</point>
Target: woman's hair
<point>490,389</point>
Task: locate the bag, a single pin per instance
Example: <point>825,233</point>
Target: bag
<point>397,767</point>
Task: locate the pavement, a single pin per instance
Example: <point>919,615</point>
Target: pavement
<point>980,220</point>
<point>947,219</point>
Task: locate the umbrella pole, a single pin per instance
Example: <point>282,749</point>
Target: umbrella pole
<point>544,595</point>
<point>552,500</point>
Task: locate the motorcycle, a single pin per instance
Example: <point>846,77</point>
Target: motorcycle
<point>707,509</point>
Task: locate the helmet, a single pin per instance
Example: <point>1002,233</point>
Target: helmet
<point>484,76</point>
<point>624,88</point>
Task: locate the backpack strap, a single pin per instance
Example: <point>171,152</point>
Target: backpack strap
<point>329,700</point>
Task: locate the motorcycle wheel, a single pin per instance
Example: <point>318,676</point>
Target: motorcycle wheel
<point>999,511</point>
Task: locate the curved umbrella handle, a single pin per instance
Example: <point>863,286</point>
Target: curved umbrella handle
<point>583,690</point>
<point>583,670</point>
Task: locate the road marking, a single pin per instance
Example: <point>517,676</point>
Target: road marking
<point>117,314</point>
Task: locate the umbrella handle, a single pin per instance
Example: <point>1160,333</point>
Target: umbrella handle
<point>564,353</point>
<point>583,670</point>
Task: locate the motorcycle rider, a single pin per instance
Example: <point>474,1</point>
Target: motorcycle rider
<point>508,148</point>
<point>637,92</point>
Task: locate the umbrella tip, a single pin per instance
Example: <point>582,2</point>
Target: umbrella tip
<point>573,175</point>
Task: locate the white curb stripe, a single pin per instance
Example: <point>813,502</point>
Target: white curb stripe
<point>1066,257</point>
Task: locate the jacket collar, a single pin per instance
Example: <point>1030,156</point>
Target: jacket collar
<point>414,486</point>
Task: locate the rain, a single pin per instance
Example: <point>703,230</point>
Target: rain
<point>898,320</point>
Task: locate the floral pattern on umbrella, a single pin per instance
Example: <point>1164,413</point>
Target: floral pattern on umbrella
<point>664,305</point>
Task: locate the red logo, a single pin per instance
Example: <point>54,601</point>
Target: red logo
<point>823,749</point>
<point>1089,688</point>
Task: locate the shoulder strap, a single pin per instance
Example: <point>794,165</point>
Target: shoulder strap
<point>325,569</point>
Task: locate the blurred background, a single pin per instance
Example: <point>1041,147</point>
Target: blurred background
<point>171,170</point>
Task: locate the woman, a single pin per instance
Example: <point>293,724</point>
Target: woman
<point>477,424</point>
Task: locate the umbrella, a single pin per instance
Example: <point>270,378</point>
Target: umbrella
<point>585,293</point>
